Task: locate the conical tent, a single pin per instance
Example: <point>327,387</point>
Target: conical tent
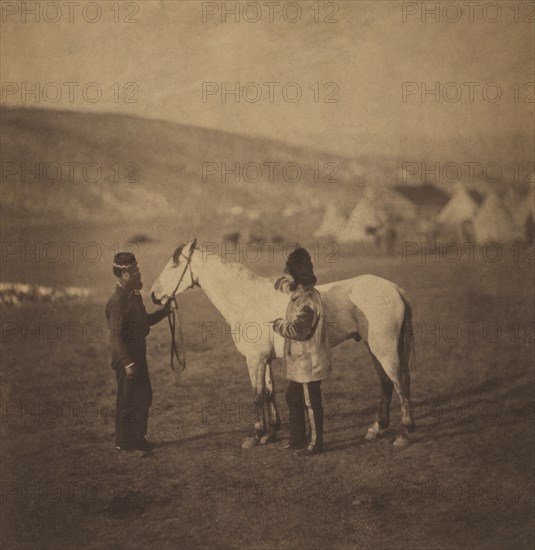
<point>333,222</point>
<point>522,208</point>
<point>361,223</point>
<point>460,208</point>
<point>492,222</point>
<point>396,207</point>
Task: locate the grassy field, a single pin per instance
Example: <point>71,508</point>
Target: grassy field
<point>466,480</point>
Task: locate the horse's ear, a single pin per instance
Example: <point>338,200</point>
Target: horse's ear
<point>193,245</point>
<point>176,254</point>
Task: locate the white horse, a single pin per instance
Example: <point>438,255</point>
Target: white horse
<point>366,308</point>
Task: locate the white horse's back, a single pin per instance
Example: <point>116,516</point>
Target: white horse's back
<point>362,307</point>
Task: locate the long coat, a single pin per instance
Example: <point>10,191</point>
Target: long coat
<point>306,353</point>
<point>129,325</point>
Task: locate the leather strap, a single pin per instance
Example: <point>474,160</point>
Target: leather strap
<point>174,323</point>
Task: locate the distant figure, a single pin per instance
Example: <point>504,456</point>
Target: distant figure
<point>377,234</point>
<point>530,228</point>
<point>129,324</point>
<point>306,354</point>
<point>384,237</point>
<point>391,236</point>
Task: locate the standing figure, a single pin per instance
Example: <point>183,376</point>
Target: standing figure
<point>129,324</point>
<point>306,353</point>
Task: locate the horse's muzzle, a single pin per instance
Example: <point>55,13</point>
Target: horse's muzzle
<point>155,300</point>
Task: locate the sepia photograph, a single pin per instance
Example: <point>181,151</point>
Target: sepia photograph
<point>267,275</point>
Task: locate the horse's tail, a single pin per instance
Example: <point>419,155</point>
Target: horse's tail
<point>407,355</point>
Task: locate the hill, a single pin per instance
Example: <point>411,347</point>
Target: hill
<point>62,167</point>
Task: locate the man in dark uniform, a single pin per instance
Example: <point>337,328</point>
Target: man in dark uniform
<point>306,353</point>
<point>129,324</point>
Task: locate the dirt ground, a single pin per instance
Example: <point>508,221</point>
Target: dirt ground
<point>466,480</point>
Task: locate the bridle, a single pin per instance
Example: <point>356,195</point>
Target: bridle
<point>172,316</point>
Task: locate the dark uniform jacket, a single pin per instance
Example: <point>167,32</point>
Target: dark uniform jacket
<point>306,353</point>
<point>129,324</point>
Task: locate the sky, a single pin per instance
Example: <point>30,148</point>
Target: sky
<point>363,60</point>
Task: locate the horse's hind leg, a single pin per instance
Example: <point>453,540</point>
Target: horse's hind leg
<point>267,420</point>
<point>383,416</point>
<point>407,420</point>
<point>401,382</point>
<point>402,385</point>
<point>256,367</point>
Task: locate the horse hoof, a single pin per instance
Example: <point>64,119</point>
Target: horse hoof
<point>265,439</point>
<point>249,443</point>
<point>374,432</point>
<point>401,441</point>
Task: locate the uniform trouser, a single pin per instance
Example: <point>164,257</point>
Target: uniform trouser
<point>298,398</point>
<point>134,398</point>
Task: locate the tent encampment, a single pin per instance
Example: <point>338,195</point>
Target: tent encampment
<point>333,222</point>
<point>363,223</point>
<point>522,208</point>
<point>456,219</point>
<point>460,208</point>
<point>427,198</point>
<point>492,222</point>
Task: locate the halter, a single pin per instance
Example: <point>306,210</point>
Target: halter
<point>188,266</point>
<point>172,316</point>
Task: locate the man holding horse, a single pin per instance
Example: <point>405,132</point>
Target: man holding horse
<point>306,353</point>
<point>129,325</point>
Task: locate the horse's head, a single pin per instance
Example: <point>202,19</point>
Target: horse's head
<point>176,276</point>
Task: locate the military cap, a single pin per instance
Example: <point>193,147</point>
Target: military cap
<point>123,261</point>
<point>299,266</point>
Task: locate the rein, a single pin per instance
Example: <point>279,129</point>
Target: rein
<point>173,321</point>
<point>172,318</point>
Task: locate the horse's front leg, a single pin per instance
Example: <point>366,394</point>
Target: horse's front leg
<point>271,416</point>
<point>266,417</point>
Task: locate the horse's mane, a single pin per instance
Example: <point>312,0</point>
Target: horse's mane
<point>238,275</point>
<point>244,272</point>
